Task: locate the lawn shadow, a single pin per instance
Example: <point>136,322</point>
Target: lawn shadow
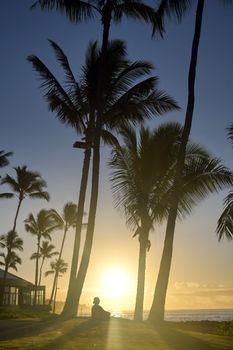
<point>84,333</point>
<point>180,340</point>
<point>14,329</point>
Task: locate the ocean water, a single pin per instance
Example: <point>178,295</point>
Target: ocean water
<point>187,315</point>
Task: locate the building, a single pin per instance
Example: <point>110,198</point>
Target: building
<point>19,292</point>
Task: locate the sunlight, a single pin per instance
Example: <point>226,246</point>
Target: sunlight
<point>116,282</point>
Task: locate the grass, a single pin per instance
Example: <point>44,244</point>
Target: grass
<point>16,313</point>
<point>116,334</point>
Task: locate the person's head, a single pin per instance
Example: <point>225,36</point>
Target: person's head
<point>96,301</point>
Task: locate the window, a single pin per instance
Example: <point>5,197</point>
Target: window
<point>28,297</point>
<point>11,296</point>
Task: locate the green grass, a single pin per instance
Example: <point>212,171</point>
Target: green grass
<point>116,334</point>
<point>16,313</point>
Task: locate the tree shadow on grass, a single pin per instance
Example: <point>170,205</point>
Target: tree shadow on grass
<point>89,335</point>
<point>81,336</point>
<point>179,340</point>
<point>13,329</point>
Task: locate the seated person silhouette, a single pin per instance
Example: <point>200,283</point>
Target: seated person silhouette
<point>97,312</point>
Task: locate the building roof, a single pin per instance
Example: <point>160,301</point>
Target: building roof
<point>12,280</point>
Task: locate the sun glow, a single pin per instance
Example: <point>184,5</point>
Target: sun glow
<point>116,282</point>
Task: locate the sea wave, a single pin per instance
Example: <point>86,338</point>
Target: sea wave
<point>187,315</point>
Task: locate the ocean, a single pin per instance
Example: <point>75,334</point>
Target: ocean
<point>187,315</point>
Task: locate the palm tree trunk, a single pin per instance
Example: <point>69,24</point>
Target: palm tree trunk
<point>63,241</point>
<point>37,270</point>
<point>41,267</point>
<point>4,281</point>
<point>68,307</point>
<point>6,267</point>
<point>59,257</point>
<point>17,213</point>
<point>138,312</point>
<point>158,305</point>
<point>90,229</point>
<point>156,314</point>
<point>75,286</point>
<point>55,294</point>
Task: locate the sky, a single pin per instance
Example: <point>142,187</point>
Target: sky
<point>201,274</point>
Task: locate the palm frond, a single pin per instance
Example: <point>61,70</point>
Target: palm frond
<point>4,161</point>
<point>40,195</point>
<point>230,133</point>
<point>109,139</point>
<point>51,85</point>
<point>202,177</point>
<point>225,222</point>
<point>75,10</point>
<point>136,10</point>
<point>11,182</point>
<point>6,195</point>
<point>172,9</point>
<point>70,79</point>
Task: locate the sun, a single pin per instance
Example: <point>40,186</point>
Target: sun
<point>116,282</point>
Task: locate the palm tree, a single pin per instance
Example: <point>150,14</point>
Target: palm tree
<point>140,176</point>
<point>26,184</point>
<point>46,252</point>
<point>66,220</point>
<point>4,161</point>
<point>115,113</point>
<point>42,226</point>
<point>177,8</point>
<point>143,188</point>
<point>11,242</point>
<point>124,101</point>
<point>58,268</point>
<point>225,222</point>
<point>108,10</point>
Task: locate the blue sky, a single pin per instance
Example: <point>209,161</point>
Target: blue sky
<point>41,142</point>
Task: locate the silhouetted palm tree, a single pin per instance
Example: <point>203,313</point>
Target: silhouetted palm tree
<point>225,222</point>
<point>158,305</point>
<point>41,227</point>
<point>46,252</point>
<point>108,10</point>
<point>27,183</point>
<point>124,101</point>
<point>176,8</point>
<point>58,268</point>
<point>11,242</point>
<point>143,188</point>
<point>66,220</point>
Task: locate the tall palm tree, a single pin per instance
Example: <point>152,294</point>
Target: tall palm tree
<point>40,226</point>
<point>177,8</point>
<point>58,268</point>
<point>225,222</point>
<point>124,100</point>
<point>143,188</point>
<point>67,220</point>
<point>108,10</point>
<point>140,177</point>
<point>11,242</point>
<point>116,113</point>
<point>46,252</point>
<point>27,183</point>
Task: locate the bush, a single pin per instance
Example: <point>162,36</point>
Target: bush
<point>226,328</point>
